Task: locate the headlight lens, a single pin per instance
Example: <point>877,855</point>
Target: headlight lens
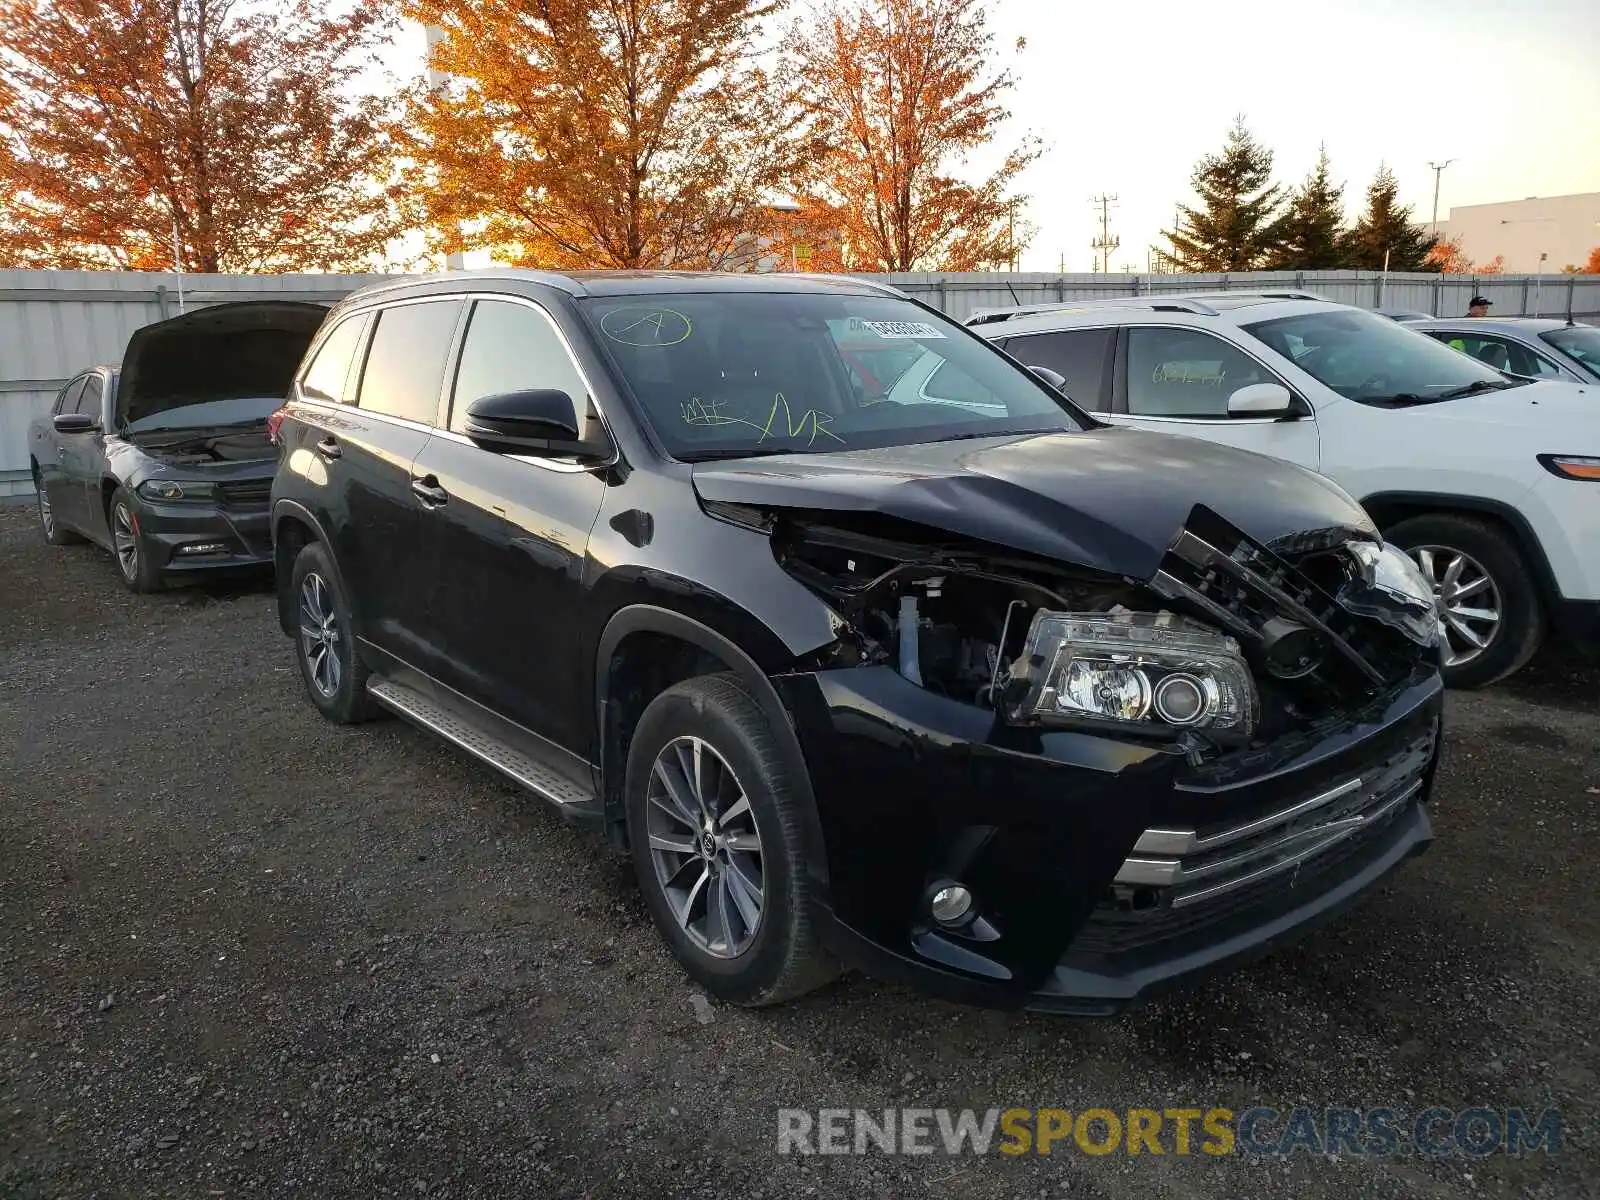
<point>1155,670</point>
<point>175,489</point>
<point>1392,589</point>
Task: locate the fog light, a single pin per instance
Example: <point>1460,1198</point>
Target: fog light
<point>203,548</point>
<point>950,903</point>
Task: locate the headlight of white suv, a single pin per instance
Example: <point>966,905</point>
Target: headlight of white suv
<point>1395,591</point>
<point>1158,671</point>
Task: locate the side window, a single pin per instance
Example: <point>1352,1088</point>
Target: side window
<point>1080,356</point>
<point>511,348</point>
<point>89,401</point>
<point>405,364</point>
<point>67,401</point>
<point>1185,373</point>
<point>328,376</point>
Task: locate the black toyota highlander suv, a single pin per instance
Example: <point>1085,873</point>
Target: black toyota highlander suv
<point>935,676</point>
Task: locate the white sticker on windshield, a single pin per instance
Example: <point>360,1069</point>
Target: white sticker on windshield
<point>901,329</point>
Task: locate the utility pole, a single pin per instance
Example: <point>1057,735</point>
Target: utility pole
<point>1105,243</point>
<point>1438,170</point>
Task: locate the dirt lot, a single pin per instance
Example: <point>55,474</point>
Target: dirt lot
<point>243,952</point>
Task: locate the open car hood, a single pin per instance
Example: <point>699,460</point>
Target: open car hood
<point>1109,499</point>
<point>222,352</point>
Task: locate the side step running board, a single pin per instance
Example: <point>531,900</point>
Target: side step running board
<point>575,803</point>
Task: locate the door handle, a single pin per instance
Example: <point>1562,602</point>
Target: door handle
<point>429,492</point>
<point>329,447</point>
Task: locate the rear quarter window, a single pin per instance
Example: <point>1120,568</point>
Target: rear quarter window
<point>329,376</point>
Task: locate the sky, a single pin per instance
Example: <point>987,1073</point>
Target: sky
<point>1128,94</point>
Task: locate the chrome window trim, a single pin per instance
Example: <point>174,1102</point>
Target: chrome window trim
<point>555,466</point>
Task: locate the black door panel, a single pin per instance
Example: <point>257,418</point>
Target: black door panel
<point>355,472</point>
<point>82,459</point>
<point>504,541</point>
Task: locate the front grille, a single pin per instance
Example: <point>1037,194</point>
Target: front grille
<point>1177,881</point>
<point>245,493</point>
<point>1255,593</point>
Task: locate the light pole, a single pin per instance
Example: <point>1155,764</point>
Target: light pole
<point>1438,170</point>
<point>437,80</point>
<point>788,208</point>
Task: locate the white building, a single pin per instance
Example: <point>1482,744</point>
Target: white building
<point>1564,228</point>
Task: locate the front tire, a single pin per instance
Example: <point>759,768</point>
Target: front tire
<point>1494,621</point>
<point>135,564</point>
<point>715,830</point>
<point>324,640</point>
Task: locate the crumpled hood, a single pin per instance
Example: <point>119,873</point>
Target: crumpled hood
<point>224,352</point>
<point>1110,499</point>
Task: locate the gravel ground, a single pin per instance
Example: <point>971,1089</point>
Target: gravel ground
<point>244,952</point>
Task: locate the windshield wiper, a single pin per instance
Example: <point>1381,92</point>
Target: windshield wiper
<point>1481,385</point>
<point>694,456</point>
<point>1401,400</point>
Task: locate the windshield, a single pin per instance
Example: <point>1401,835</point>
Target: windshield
<point>1580,342</point>
<point>1365,357</point>
<point>731,374</point>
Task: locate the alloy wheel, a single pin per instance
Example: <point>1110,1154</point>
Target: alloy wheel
<point>125,540</point>
<point>47,516</point>
<point>1466,598</point>
<point>319,635</point>
<point>705,847</point>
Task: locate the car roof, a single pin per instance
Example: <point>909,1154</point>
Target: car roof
<point>1495,324</point>
<point>619,283</point>
<point>1200,309</point>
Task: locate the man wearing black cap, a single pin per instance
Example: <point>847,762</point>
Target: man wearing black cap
<point>1479,307</point>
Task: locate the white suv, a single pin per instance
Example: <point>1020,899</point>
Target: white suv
<point>1491,482</point>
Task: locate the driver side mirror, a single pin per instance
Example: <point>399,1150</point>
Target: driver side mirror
<point>75,423</point>
<point>1263,400</point>
<point>1054,378</point>
<point>540,422</point>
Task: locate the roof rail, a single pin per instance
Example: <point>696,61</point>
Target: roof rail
<point>984,316</point>
<point>1189,302</point>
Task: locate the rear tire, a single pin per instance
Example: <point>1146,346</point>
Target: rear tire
<point>1472,550</point>
<point>715,830</point>
<point>135,565</point>
<point>53,531</point>
<point>324,640</point>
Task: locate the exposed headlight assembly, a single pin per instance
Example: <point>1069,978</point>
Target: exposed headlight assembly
<point>174,489</point>
<point>1392,589</point>
<point>1158,671</point>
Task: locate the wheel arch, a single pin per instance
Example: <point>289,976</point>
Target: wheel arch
<point>1388,509</point>
<point>293,527</point>
<point>705,651</point>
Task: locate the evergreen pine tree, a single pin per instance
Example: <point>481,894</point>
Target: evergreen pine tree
<point>1237,228</point>
<point>1311,235</point>
<point>1387,226</point>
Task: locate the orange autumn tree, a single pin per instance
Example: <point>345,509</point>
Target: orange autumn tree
<point>119,117</point>
<point>902,93</point>
<point>1449,258</point>
<point>617,134</point>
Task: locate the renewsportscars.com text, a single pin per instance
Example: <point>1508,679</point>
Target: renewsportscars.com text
<point>1260,1131</point>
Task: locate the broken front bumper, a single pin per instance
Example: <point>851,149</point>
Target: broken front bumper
<point>1103,870</point>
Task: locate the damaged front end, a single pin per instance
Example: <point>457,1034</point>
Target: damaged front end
<point>1314,626</point>
<point>1046,784</point>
